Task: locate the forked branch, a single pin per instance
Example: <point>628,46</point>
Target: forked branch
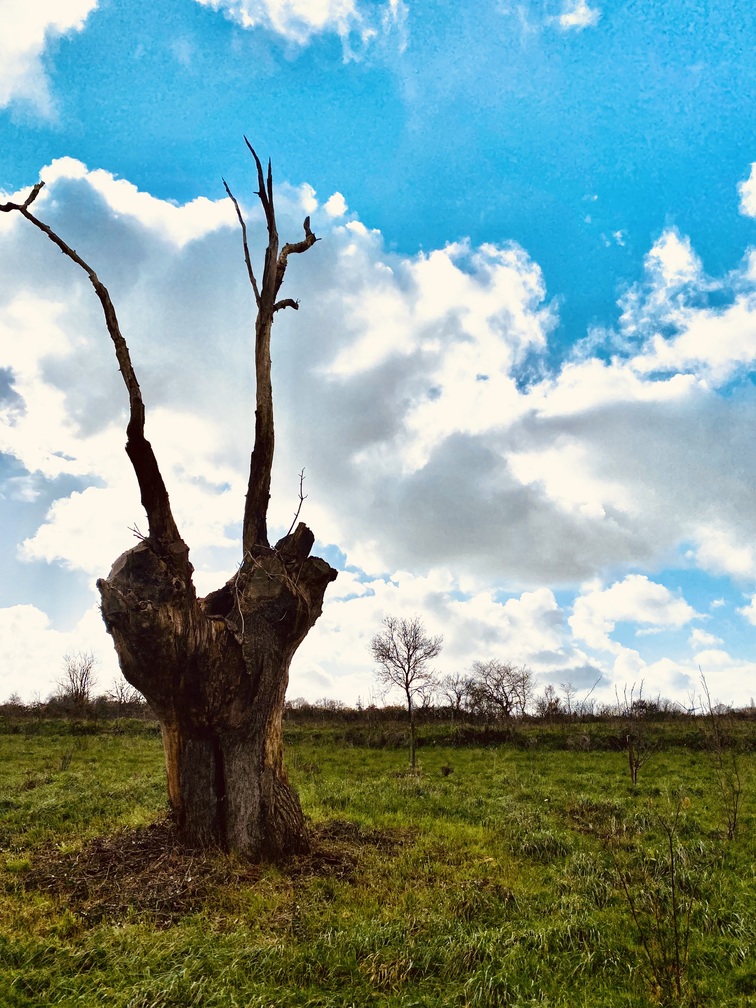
<point>255,528</point>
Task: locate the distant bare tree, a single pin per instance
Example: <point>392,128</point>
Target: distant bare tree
<point>123,694</point>
<point>78,679</point>
<point>500,689</point>
<point>403,652</point>
<point>725,758</point>
<point>549,706</point>
<point>570,692</point>
<point>454,688</point>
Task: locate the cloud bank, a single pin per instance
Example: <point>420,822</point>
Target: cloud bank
<point>29,29</point>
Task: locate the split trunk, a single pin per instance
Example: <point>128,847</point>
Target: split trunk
<point>215,672</point>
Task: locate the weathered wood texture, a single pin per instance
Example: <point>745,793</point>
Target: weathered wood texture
<point>215,672</point>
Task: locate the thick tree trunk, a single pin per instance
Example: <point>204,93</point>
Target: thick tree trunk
<point>215,671</point>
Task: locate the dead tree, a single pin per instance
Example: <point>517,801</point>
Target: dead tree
<point>215,669</point>
<point>78,679</point>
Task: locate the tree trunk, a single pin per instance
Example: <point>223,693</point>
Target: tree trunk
<point>215,672</point>
<point>413,732</point>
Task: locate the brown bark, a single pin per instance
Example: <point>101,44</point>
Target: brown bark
<point>215,670</point>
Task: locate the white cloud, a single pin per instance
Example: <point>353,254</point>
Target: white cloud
<point>720,550</point>
<point>33,651</point>
<point>675,330</point>
<point>179,224</point>
<point>528,629</point>
<point>747,190</point>
<point>577,15</point>
<point>402,385</point>
<point>28,29</point>
<point>749,611</point>
<point>635,599</point>
<point>702,639</point>
<point>335,206</point>
<point>298,21</point>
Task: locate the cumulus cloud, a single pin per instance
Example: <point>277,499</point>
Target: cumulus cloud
<point>702,639</point>
<point>677,320</point>
<point>179,224</point>
<point>635,599</point>
<point>577,15</point>
<point>528,629</point>
<point>33,651</point>
<point>749,611</point>
<point>416,392</point>
<point>335,206</point>
<point>29,28</point>
<point>298,21</point>
<point>747,190</point>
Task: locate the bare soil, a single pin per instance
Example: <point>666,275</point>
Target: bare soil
<point>148,871</point>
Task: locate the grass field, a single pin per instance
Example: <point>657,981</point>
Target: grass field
<point>500,876</point>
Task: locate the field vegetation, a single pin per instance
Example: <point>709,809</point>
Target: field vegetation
<point>518,866</point>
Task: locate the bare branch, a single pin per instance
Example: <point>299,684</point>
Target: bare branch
<point>265,192</point>
<point>255,532</point>
<point>247,259</point>
<point>290,249</point>
<point>152,488</point>
<point>403,652</point>
<point>302,499</point>
<point>35,191</point>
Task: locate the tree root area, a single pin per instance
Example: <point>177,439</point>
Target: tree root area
<point>148,872</point>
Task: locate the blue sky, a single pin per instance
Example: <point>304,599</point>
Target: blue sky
<point>521,378</point>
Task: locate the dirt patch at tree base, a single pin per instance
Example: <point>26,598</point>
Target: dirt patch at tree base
<point>147,871</point>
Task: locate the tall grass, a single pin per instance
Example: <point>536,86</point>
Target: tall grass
<point>484,880</point>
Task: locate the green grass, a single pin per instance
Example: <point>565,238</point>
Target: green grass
<point>498,884</point>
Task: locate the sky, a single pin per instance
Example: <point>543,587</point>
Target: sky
<point>521,380</point>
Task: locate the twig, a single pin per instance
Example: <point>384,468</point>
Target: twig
<point>302,499</point>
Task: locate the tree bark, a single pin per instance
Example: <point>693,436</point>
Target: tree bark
<point>215,669</point>
<point>215,672</point>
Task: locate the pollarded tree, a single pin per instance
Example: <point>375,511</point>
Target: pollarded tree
<point>215,669</point>
<point>403,652</point>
